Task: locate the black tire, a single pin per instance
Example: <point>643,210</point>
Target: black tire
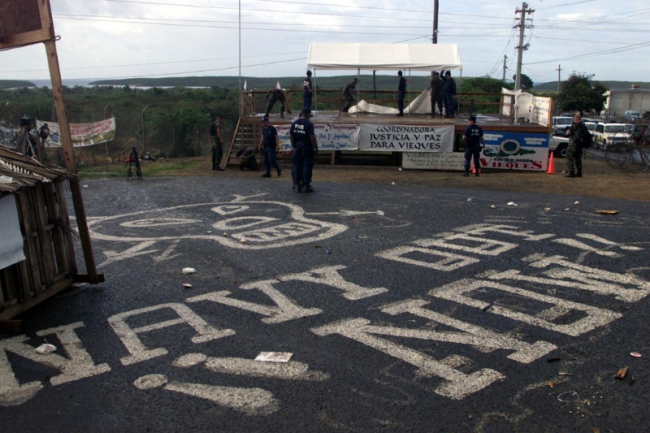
<point>560,151</point>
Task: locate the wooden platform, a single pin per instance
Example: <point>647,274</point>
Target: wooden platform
<point>493,122</point>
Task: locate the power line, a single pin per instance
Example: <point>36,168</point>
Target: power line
<point>257,22</point>
<point>597,53</point>
<point>152,64</point>
<point>565,5</point>
<point>204,70</point>
<point>235,28</point>
<point>591,41</point>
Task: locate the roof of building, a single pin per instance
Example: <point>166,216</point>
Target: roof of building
<point>18,171</point>
<point>629,90</point>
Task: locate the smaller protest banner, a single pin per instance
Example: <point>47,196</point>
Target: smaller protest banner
<point>83,134</point>
<point>406,138</point>
<point>515,151</point>
<point>433,161</point>
<point>329,136</point>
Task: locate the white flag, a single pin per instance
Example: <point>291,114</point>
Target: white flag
<point>278,86</point>
<point>245,85</point>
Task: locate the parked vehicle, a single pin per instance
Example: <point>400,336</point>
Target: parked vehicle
<point>561,124</point>
<point>558,145</point>
<point>632,116</point>
<point>591,126</point>
<point>607,134</point>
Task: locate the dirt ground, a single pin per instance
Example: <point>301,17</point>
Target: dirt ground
<point>599,179</point>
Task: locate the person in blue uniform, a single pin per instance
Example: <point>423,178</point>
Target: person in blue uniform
<point>277,95</point>
<point>217,143</point>
<point>305,148</point>
<point>269,147</point>
<point>401,93</point>
<point>307,92</point>
<point>473,137</point>
<point>436,94</point>
<point>347,94</point>
<point>449,94</point>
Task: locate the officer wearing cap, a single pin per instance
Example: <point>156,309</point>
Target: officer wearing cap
<point>269,143</point>
<point>217,143</point>
<point>473,137</point>
<point>307,92</point>
<point>401,93</point>
<point>305,147</point>
<point>436,94</point>
<point>449,94</point>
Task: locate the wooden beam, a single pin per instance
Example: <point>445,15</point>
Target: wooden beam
<point>85,278</point>
<point>70,163</point>
<point>11,326</point>
<point>15,310</point>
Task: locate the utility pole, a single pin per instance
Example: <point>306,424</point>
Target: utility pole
<point>521,48</point>
<point>505,67</point>
<point>559,80</point>
<point>434,39</point>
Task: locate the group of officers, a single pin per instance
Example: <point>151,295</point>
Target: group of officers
<point>303,137</point>
<point>442,87</point>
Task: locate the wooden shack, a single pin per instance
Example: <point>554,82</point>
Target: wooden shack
<point>49,263</point>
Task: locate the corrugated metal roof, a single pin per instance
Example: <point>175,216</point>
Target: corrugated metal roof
<point>630,90</point>
<point>18,171</point>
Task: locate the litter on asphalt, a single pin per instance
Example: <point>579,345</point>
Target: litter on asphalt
<point>547,209</point>
<point>327,251</point>
<point>512,203</point>
<point>606,212</point>
<point>45,349</point>
<point>636,354</point>
<point>189,271</point>
<point>569,396</point>
<point>380,213</point>
<point>622,373</point>
<point>242,241</point>
<point>469,199</point>
<point>493,206</point>
<point>577,202</point>
<point>187,286</point>
<point>274,357</point>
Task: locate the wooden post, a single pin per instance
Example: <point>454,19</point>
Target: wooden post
<point>70,163</point>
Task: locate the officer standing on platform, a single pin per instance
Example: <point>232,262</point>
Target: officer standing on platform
<point>436,94</point>
<point>401,93</point>
<point>217,143</point>
<point>473,137</point>
<point>307,92</point>
<point>347,94</point>
<point>449,94</point>
<point>269,143</point>
<point>277,95</point>
<point>305,147</point>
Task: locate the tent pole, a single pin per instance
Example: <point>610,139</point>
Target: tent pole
<point>409,91</point>
<point>461,83</point>
<point>315,92</point>
<point>358,89</point>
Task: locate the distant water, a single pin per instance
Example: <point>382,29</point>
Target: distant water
<point>86,83</point>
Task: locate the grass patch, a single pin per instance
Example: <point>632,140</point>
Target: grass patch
<point>179,167</point>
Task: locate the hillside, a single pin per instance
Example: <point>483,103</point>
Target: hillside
<point>384,82</point>
<point>11,84</point>
<point>552,85</point>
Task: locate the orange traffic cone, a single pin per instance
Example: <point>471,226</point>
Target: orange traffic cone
<point>474,170</point>
<point>551,165</point>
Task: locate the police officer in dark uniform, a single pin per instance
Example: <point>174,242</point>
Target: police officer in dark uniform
<point>473,137</point>
<point>217,144</point>
<point>436,94</point>
<point>449,94</point>
<point>401,93</point>
<point>269,143</point>
<point>305,148</point>
<point>307,92</point>
<point>347,94</point>
<point>574,150</point>
<point>277,95</point>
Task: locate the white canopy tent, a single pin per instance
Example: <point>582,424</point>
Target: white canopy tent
<point>383,57</point>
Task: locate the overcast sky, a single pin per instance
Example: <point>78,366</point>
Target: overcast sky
<point>154,38</point>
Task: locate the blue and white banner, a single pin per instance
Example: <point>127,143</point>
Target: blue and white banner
<point>515,151</point>
<point>406,138</point>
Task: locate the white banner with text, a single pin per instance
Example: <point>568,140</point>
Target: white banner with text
<point>329,136</point>
<point>83,134</point>
<point>406,138</point>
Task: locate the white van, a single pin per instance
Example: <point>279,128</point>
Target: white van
<point>607,134</point>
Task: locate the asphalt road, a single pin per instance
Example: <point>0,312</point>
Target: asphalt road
<point>404,309</point>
